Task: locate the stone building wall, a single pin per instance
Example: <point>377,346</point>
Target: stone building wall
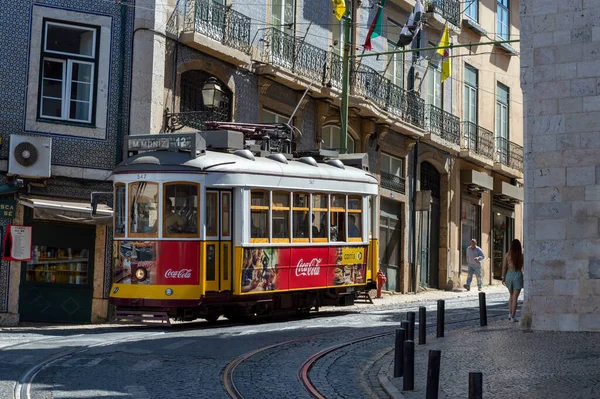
<point>560,51</point>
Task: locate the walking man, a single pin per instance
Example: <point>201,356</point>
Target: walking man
<point>474,257</point>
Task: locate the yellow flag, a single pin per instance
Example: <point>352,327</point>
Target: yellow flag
<point>339,8</point>
<point>445,53</point>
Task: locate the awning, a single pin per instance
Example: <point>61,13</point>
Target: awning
<point>508,193</point>
<point>67,210</point>
<point>476,181</point>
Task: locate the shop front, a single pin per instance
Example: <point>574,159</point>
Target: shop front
<point>505,197</point>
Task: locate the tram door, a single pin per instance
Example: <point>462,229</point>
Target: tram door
<point>218,246</point>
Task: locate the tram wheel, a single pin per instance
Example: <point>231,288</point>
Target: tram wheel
<point>212,317</point>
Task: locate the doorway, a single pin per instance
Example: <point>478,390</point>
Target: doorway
<point>218,248</point>
<point>390,242</point>
<point>429,237</point>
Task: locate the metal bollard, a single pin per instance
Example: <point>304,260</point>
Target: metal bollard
<point>433,374</point>
<point>475,385</point>
<point>408,382</point>
<point>440,317</point>
<point>411,326</point>
<point>399,352</point>
<point>422,325</point>
<point>404,324</point>
<point>482,310</point>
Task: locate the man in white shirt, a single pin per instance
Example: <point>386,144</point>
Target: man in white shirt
<point>474,256</point>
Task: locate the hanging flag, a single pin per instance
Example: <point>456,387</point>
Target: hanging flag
<point>412,27</point>
<point>339,8</point>
<point>445,53</point>
<point>376,26</point>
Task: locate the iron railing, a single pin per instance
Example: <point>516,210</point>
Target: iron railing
<point>449,9</point>
<point>219,22</point>
<point>443,124</point>
<point>509,153</point>
<point>173,121</point>
<point>477,139</point>
<point>393,182</point>
<point>285,50</point>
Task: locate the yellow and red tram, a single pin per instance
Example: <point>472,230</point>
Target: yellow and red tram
<point>212,223</point>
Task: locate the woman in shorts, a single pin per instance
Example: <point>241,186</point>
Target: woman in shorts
<point>512,276</point>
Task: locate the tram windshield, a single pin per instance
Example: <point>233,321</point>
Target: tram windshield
<point>180,210</point>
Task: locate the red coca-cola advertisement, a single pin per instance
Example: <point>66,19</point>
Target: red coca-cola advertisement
<point>156,262</point>
<point>270,269</point>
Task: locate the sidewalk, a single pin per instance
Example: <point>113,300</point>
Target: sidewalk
<point>515,364</point>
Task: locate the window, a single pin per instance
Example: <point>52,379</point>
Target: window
<point>120,211</point>
<point>180,210</point>
<point>331,138</point>
<point>259,214</point>
<point>470,106</point>
<point>472,9</point>
<point>281,216</point>
<point>212,214</point>
<point>338,218</point>
<point>143,209</point>
<point>392,165</point>
<point>283,13</point>
<point>267,116</point>
<point>226,215</point>
<point>434,85</point>
<point>320,223</point>
<point>354,218</point>
<point>502,97</point>
<point>58,265</point>
<point>68,67</point>
<point>395,68</point>
<point>470,228</point>
<point>302,221</point>
<point>502,27</point>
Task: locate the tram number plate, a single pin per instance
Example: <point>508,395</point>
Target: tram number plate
<point>160,142</point>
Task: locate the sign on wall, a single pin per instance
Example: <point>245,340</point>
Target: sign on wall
<point>17,243</point>
<point>8,208</point>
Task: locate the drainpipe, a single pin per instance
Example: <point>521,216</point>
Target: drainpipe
<point>414,218</point>
<point>11,188</point>
<point>119,153</point>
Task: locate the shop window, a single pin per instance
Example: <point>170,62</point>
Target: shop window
<point>143,209</point>
<point>301,218</point>
<point>470,228</point>
<point>354,218</point>
<point>180,210</point>
<point>319,224</point>
<point>120,211</point>
<point>58,265</point>
<point>338,218</point>
<point>212,214</point>
<point>281,216</point>
<point>226,215</point>
<point>259,214</point>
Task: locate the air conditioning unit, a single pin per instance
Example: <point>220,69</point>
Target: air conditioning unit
<point>29,156</point>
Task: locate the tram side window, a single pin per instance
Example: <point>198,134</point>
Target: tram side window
<point>180,209</point>
<point>259,214</point>
<point>143,209</point>
<point>120,215</point>
<point>338,218</point>
<point>302,220</point>
<point>319,222</point>
<point>354,218</point>
<point>281,216</point>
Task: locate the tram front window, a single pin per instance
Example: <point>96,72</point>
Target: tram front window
<point>180,210</point>
<point>143,209</point>
<point>120,215</point>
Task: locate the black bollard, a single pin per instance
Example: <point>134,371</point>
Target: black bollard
<point>433,374</point>
<point>404,324</point>
<point>482,310</point>
<point>422,325</point>
<point>440,317</point>
<point>475,385</point>
<point>411,326</point>
<point>408,382</point>
<point>399,352</point>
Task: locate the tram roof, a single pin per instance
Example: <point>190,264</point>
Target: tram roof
<point>223,162</point>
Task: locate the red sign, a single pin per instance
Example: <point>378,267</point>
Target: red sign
<point>17,243</point>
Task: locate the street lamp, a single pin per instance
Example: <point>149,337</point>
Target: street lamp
<point>211,93</point>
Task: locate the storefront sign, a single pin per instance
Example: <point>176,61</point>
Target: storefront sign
<point>8,208</point>
<point>17,243</point>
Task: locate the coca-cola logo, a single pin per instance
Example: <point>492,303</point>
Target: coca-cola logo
<point>183,273</point>
<point>311,268</point>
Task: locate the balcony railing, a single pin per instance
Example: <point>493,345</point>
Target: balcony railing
<point>285,50</point>
<point>218,22</point>
<point>477,139</point>
<point>509,153</point>
<point>393,182</point>
<point>449,9</point>
<point>442,124</point>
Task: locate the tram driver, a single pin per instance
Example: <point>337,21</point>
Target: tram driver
<point>175,222</point>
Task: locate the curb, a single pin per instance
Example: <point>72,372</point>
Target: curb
<point>389,388</point>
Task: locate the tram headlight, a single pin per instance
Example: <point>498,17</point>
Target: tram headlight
<point>169,292</point>
<point>141,274</point>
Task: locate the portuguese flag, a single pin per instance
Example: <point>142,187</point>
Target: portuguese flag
<point>376,26</point>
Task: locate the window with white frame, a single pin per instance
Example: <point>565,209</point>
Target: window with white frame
<point>395,64</point>
<point>470,106</point>
<point>392,165</point>
<point>502,96</point>
<point>337,34</point>
<point>331,138</point>
<point>472,9</point>
<point>502,15</point>
<point>283,15</point>
<point>434,85</point>
<point>68,68</point>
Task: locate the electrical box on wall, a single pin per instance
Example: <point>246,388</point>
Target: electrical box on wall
<point>30,156</point>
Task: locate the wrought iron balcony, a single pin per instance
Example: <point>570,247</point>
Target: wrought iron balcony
<point>285,50</point>
<point>368,83</point>
<point>219,22</point>
<point>442,124</point>
<point>449,9</point>
<point>173,121</point>
<point>477,139</point>
<point>334,77</point>
<point>509,153</point>
<point>393,182</point>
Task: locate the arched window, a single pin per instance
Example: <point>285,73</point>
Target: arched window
<point>331,138</point>
<point>193,111</point>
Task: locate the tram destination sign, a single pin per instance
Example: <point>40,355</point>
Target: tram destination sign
<point>192,142</point>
